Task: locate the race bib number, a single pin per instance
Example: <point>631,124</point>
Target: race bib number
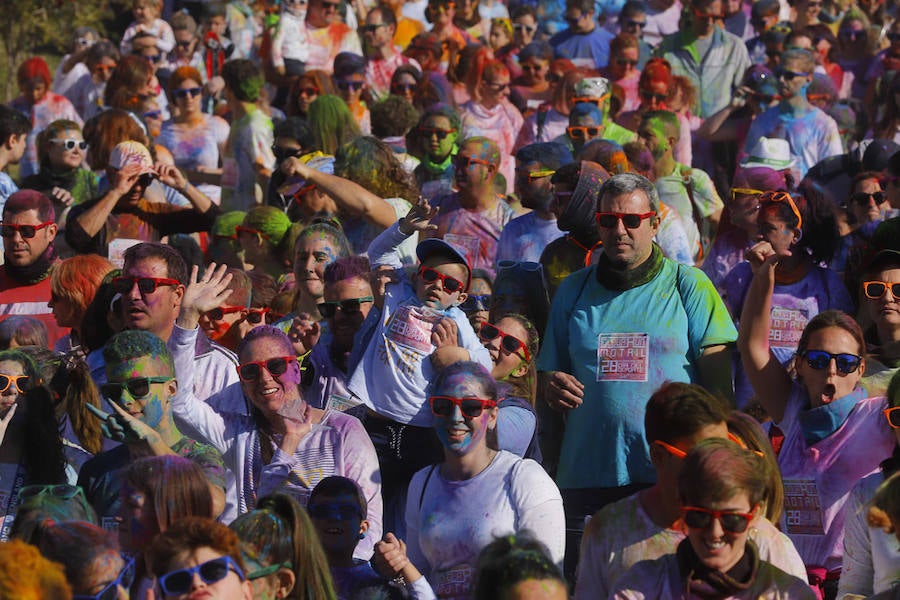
<point>455,583</point>
<point>787,325</point>
<point>802,508</point>
<point>623,356</point>
<point>340,403</point>
<point>411,327</point>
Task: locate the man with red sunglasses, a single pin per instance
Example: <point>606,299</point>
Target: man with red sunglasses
<point>617,329</point>
<point>420,330</point>
<point>28,230</point>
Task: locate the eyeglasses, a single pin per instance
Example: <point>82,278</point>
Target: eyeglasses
<point>111,591</point>
<point>679,453</point>
<point>876,289</point>
<point>450,284</point>
<point>181,94</point>
<point>150,114</point>
<point>508,343</point>
<point>862,198</point>
<point>471,408</point>
<point>707,15</point>
<point>345,84</point>
<point>138,388</point>
<point>893,416</point>
<point>580,132</point>
<point>732,521</point>
<point>496,87</point>
<point>240,229</point>
<point>348,307</point>
<point>256,315</point>
<point>308,91</point>
<point>632,24</point>
<point>626,62</point>
<point>819,360</point>
<point>281,153</point>
<point>146,285</point>
<point>775,197</point>
<point>334,511</point>
<point>152,58</point>
<point>26,231</point>
<point>217,314</point>
<point>252,371</point>
<point>371,28</point>
<point>788,75</point>
<point>61,491</point>
<point>466,162</point>
<point>475,302</point>
<point>851,34</point>
<point>70,144</point>
<point>185,43</point>
<point>20,381</point>
<point>538,174</point>
<point>586,100</point>
<point>439,133</point>
<point>525,28</point>
<point>179,582</point>
<point>609,220</point>
<point>98,69</point>
<point>403,88</point>
<point>648,96</point>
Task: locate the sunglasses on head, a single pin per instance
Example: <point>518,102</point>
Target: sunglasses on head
<point>475,302</point>
<point>819,360</point>
<point>125,579</point>
<point>508,343</point>
<point>427,132</point>
<point>334,511</point>
<point>348,307</point>
<point>345,84</point>
<point>26,231</point>
<point>70,144</point>
<point>776,197</point>
<point>450,284</point>
<point>181,94</point>
<point>738,191</point>
<point>609,220</point>
<point>580,132</point>
<point>252,371</point>
<point>862,198</point>
<point>138,388</point>
<point>876,289</point>
<point>217,314</point>
<point>471,408</point>
<point>180,582</point>
<point>732,521</point>
<point>22,382</point>
<point>788,75</point>
<point>146,285</point>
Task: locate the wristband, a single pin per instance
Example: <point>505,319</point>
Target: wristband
<point>187,185</point>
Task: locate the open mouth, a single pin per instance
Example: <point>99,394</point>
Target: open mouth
<point>828,393</point>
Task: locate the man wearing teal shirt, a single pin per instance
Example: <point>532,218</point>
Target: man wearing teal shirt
<point>618,330</point>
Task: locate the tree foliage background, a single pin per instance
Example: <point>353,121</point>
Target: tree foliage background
<point>29,27</point>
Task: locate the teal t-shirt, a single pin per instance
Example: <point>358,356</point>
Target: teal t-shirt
<point>622,346</point>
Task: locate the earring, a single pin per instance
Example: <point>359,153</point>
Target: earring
<point>362,535</point>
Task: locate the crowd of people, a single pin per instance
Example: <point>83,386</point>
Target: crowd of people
<point>422,299</point>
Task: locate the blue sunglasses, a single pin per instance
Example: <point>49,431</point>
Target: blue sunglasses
<point>179,582</point>
<point>111,591</point>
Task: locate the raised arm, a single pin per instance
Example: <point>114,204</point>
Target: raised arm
<point>770,380</point>
<point>93,219</point>
<point>349,195</point>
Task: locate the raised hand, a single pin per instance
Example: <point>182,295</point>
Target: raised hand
<point>124,179</point>
<point>390,556</point>
<point>120,426</point>
<point>210,292</point>
<point>763,258</point>
<point>304,333</point>
<point>418,218</point>
<point>171,176</point>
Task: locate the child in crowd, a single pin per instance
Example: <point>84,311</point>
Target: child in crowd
<point>147,19</point>
<point>14,130</point>
<point>337,508</point>
<point>350,82</point>
<point>418,330</point>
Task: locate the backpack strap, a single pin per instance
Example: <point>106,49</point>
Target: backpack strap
<point>425,485</point>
